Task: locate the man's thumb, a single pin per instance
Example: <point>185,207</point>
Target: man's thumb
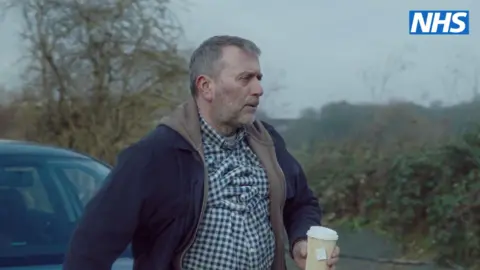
<point>300,249</point>
<point>303,249</point>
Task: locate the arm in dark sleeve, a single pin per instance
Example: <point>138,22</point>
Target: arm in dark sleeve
<point>302,209</point>
<point>111,217</point>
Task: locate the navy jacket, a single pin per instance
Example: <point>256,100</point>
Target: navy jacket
<point>159,218</point>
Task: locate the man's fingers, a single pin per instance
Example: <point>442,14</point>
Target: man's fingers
<point>332,261</point>
<point>335,252</point>
<point>334,257</point>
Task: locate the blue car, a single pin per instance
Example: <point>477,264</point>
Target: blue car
<point>43,191</point>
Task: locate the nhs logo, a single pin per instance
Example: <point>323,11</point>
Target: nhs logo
<point>439,22</point>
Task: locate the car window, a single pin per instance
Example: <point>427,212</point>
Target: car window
<point>27,206</point>
<point>35,195</point>
<point>22,195</point>
<point>86,179</point>
<point>85,183</point>
<point>41,199</point>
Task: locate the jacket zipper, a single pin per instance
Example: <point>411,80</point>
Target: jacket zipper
<point>202,212</point>
<point>284,185</point>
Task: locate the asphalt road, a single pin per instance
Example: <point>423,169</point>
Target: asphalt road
<point>371,247</point>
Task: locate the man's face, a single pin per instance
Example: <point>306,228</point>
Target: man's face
<point>236,90</point>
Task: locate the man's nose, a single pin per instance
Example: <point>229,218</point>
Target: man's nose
<point>257,89</point>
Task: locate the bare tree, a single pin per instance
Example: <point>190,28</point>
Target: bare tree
<point>98,70</point>
<point>272,87</point>
<point>6,113</point>
<point>377,80</point>
<point>462,71</point>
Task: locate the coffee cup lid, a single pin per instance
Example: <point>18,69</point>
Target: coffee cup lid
<point>322,233</point>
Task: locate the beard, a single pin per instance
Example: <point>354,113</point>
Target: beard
<point>235,116</point>
<point>233,110</point>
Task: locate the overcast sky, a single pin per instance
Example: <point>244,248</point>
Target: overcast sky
<point>317,50</point>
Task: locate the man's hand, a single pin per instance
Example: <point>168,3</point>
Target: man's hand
<point>300,255</point>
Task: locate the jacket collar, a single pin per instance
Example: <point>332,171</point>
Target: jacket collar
<point>186,121</point>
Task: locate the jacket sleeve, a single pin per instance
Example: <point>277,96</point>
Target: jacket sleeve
<point>112,216</point>
<point>302,209</point>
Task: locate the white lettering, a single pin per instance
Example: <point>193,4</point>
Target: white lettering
<point>451,22</point>
<point>461,24</point>
<point>445,22</point>
<point>424,25</point>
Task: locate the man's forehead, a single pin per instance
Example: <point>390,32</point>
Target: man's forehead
<point>240,60</point>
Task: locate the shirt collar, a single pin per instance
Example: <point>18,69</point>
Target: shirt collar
<point>211,137</point>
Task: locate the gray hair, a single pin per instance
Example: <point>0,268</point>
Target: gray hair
<point>204,60</point>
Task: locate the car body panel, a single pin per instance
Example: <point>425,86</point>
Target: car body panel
<point>24,153</point>
<point>28,148</point>
<point>120,264</point>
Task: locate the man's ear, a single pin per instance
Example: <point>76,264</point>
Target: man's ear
<point>205,87</point>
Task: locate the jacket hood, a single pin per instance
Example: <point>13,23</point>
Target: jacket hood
<point>185,120</point>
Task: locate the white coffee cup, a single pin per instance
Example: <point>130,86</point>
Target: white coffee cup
<point>321,242</point>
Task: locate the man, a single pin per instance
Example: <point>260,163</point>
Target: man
<point>210,188</point>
